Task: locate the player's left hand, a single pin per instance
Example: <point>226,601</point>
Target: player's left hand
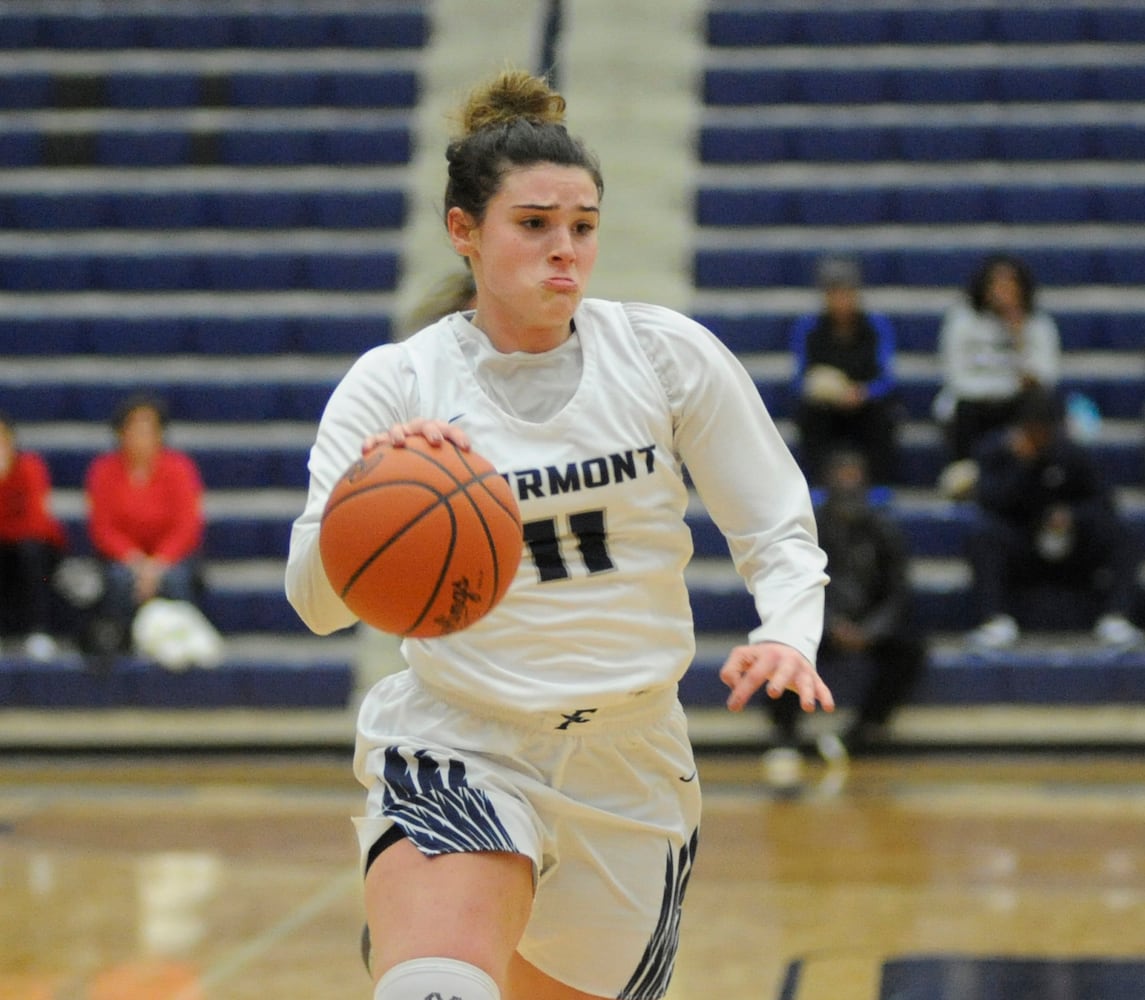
<point>781,668</point>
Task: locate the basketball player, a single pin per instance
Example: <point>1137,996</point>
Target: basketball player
<point>533,809</point>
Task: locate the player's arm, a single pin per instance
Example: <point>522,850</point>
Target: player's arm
<point>375,394</point>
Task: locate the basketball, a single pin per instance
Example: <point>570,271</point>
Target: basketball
<point>421,541</point>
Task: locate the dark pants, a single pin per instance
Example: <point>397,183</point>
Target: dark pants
<point>869,429</point>
<point>111,627</point>
<point>890,668</point>
<point>974,419</point>
<point>1005,559</point>
<point>26,569</point>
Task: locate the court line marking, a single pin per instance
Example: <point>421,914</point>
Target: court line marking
<point>298,918</point>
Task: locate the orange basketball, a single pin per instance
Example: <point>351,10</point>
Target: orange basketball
<point>421,540</point>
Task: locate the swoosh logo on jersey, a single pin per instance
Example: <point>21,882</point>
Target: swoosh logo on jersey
<point>453,420</point>
<point>690,777</point>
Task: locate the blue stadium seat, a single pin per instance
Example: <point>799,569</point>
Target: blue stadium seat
<point>153,90</point>
<point>843,26</point>
<point>841,86</point>
<point>1119,82</point>
<point>1117,24</point>
<point>729,144</point>
<point>65,210</point>
<point>226,335</point>
<point>1119,202</point>
<point>365,146</point>
<point>21,148</point>
<point>1122,265</point>
<point>747,28</point>
<point>842,144</point>
<point>963,203</point>
<point>739,87</point>
<point>255,209</point>
<point>188,30</point>
<point>253,89</point>
<point>158,209</point>
<point>381,29</point>
<point>943,143</point>
<point>1051,203</point>
<point>92,30</point>
<point>351,271</point>
<point>1039,24</point>
<point>127,272</point>
<point>1039,84</point>
<point>19,31</point>
<point>268,148</point>
<point>136,336</point>
<point>373,209</point>
<point>1042,142</point>
<point>374,89</point>
<point>1125,331</point>
<point>1081,331</point>
<point>940,85</point>
<point>288,30</point>
<point>54,273</point>
<point>350,335</point>
<point>948,26</point>
<point>23,91</point>
<point>40,335</point>
<point>721,206</point>
<point>843,206</point>
<point>1120,143</point>
<point>151,148</point>
<point>223,401</point>
<point>251,271</point>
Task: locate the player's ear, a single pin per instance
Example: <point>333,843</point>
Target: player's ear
<point>462,230</point>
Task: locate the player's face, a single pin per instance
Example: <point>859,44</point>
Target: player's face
<point>532,254</point>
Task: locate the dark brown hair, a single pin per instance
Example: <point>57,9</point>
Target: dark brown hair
<point>514,120</point>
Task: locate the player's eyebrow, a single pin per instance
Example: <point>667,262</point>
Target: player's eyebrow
<point>553,208</point>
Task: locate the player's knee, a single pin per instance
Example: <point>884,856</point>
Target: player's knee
<point>445,977</point>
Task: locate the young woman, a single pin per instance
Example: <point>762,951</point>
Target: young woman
<point>32,541</point>
<point>145,518</point>
<point>533,808</point>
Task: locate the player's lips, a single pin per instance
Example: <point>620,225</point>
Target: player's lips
<point>561,283</point>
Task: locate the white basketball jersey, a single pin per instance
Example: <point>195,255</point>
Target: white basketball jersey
<point>598,611</point>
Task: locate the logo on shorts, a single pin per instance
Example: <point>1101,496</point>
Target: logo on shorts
<point>577,715</point>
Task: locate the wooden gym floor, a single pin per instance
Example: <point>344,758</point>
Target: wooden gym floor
<point>232,877</point>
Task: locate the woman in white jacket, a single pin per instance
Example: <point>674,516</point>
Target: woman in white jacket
<point>992,347</point>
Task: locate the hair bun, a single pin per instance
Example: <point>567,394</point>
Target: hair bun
<point>511,95</point>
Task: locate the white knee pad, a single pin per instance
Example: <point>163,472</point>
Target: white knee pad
<point>434,978</point>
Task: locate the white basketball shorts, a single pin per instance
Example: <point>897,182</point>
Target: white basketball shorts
<point>605,802</point>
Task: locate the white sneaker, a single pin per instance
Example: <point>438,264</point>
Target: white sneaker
<point>40,647</point>
<point>782,766</point>
<point>1000,632</point>
<point>831,748</point>
<point>1116,630</point>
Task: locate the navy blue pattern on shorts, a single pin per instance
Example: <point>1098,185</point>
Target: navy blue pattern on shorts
<point>440,812</point>
<point>652,975</point>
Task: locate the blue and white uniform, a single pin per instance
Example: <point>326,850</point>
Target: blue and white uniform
<point>551,726</point>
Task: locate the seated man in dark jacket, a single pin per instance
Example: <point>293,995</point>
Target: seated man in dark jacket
<point>868,612</point>
<point>1046,515</point>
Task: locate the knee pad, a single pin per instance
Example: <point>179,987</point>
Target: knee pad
<point>434,978</point>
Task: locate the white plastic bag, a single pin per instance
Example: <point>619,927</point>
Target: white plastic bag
<point>176,634</point>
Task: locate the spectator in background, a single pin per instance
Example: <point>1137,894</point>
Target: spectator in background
<point>1047,516</point>
<point>145,519</point>
<point>844,379</point>
<point>31,544</point>
<point>868,613</point>
<point>992,347</point>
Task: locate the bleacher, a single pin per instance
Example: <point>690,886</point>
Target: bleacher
<point>209,205</point>
<point>212,205</point>
<point>922,140</point>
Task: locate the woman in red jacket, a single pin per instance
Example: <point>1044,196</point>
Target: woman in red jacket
<point>145,518</point>
<point>31,542</point>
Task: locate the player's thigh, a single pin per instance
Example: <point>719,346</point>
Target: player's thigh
<point>527,982</point>
<point>472,907</point>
